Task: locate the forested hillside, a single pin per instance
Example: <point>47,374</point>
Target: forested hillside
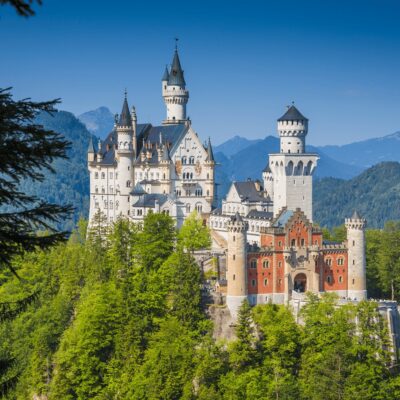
<point>123,318</point>
<point>375,194</point>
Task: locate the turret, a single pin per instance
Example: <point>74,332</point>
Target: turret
<point>174,92</point>
<point>91,153</point>
<point>292,129</point>
<point>268,180</point>
<point>99,152</point>
<point>236,264</point>
<point>134,130</point>
<point>357,286</point>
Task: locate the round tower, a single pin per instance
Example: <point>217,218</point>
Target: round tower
<point>236,273</point>
<point>268,181</point>
<point>174,92</point>
<point>292,129</point>
<point>357,285</point>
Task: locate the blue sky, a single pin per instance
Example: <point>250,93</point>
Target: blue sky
<point>339,61</point>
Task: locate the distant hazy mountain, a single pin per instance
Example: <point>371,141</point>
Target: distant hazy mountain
<point>367,152</point>
<point>375,194</point>
<point>234,145</point>
<point>251,160</point>
<point>99,121</point>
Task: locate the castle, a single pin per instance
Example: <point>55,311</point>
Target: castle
<point>274,251</point>
<point>140,168</point>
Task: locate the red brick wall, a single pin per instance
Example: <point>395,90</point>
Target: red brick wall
<point>338,274</point>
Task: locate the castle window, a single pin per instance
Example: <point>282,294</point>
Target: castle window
<point>128,183</point>
<point>208,192</point>
<point>279,243</point>
<point>354,262</point>
<point>253,263</point>
<point>353,281</point>
<point>208,176</point>
<point>328,262</point>
<point>117,204</point>
<point>293,242</point>
<point>233,257</point>
<point>280,264</point>
<point>199,208</point>
<point>96,189</point>
<point>302,242</point>
<point>234,238</point>
<point>191,160</point>
<point>234,276</point>
<point>329,279</point>
<point>265,282</point>
<point>184,160</point>
<point>354,242</point>
<point>105,204</point>
<point>187,208</point>
<point>129,212</point>
<point>340,279</point>
<point>103,175</point>
<point>96,205</point>
<point>103,190</point>
<point>96,175</point>
<point>163,176</point>
<point>265,264</point>
<point>253,282</point>
<point>111,205</point>
<point>279,282</point>
<point>340,261</point>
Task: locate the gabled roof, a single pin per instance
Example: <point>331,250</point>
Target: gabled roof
<point>125,118</point>
<point>149,200</point>
<point>176,72</point>
<point>293,114</point>
<point>247,191</point>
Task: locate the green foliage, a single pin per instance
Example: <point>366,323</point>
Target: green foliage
<point>194,235</point>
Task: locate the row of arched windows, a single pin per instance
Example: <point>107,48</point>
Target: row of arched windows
<point>185,160</point>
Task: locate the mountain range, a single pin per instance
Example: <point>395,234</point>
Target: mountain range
<point>341,183</point>
<point>99,122</point>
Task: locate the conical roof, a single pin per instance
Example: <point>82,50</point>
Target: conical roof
<point>166,156</point>
<point>90,147</point>
<point>267,169</point>
<point>292,114</point>
<point>125,118</point>
<point>355,215</point>
<point>165,76</point>
<point>210,153</point>
<point>176,72</point>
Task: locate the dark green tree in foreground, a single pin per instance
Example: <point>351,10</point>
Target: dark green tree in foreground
<point>26,222</point>
<point>22,7</point>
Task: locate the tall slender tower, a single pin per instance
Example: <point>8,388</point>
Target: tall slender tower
<point>357,285</point>
<point>174,92</point>
<point>268,181</point>
<point>292,168</point>
<point>236,264</point>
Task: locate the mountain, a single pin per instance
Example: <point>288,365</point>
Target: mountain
<point>367,152</point>
<point>99,122</point>
<point>70,183</point>
<point>375,194</point>
<point>234,145</point>
<point>250,161</point>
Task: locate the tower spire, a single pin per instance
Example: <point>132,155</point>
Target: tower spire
<point>125,116</point>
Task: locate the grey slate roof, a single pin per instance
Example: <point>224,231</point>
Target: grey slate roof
<point>165,76</point>
<point>260,214</point>
<point>90,147</point>
<point>149,200</point>
<point>247,191</point>
<point>237,217</point>
<point>176,72</point>
<point>356,215</point>
<point>125,117</point>
<point>267,168</point>
<point>210,153</point>
<point>282,220</point>
<point>138,190</point>
<point>292,114</point>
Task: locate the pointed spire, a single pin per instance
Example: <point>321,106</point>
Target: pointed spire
<point>176,73</point>
<point>210,151</point>
<point>125,117</point>
<point>166,156</point>
<point>356,215</point>
<point>165,77</point>
<point>91,147</point>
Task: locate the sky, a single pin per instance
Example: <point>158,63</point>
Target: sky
<point>244,61</point>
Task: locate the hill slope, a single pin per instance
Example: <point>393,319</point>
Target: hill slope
<point>375,194</point>
<point>367,152</point>
<point>99,121</point>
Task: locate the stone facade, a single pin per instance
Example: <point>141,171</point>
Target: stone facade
<point>141,167</point>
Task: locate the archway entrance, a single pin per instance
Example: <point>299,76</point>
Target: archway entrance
<point>300,283</point>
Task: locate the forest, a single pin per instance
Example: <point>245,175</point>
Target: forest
<point>118,314</point>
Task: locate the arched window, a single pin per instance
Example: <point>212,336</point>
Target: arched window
<point>128,183</point>
<point>253,282</point>
<point>187,208</point>
<point>199,208</point>
<point>96,175</point>
<point>329,279</point>
<point>184,160</point>
<point>103,190</point>
<point>191,175</point>
<point>340,261</point>
<point>328,262</point>
<point>103,175</point>
<point>340,279</point>
<point>163,176</point>
<point>96,189</point>
<point>253,263</point>
<point>265,264</point>
<point>293,242</point>
<point>191,160</point>
<point>265,282</point>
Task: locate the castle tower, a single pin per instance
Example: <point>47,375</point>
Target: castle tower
<point>268,180</point>
<point>292,168</point>
<point>174,92</point>
<point>209,165</point>
<point>125,156</point>
<point>236,264</point>
<point>357,286</point>
<point>91,153</point>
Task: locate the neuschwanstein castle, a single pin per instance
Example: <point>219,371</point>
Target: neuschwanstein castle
<point>141,167</point>
<point>265,231</point>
